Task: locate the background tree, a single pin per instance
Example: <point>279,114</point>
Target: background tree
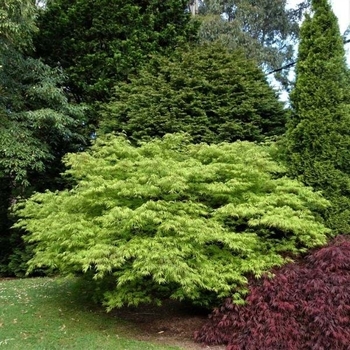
<point>172,219</point>
<point>38,125</point>
<point>267,30</point>
<point>212,94</point>
<point>318,138</point>
<point>17,22</point>
<point>99,43</point>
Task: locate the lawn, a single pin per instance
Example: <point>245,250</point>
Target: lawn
<point>44,313</point>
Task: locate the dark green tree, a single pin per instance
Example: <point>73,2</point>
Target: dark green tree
<point>318,137</point>
<point>17,23</point>
<point>38,125</point>
<point>211,93</point>
<point>99,43</point>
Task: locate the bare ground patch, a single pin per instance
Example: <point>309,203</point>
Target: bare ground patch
<point>173,323</point>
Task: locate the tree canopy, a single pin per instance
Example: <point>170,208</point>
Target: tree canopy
<point>38,124</point>
<point>172,219</point>
<point>267,31</point>
<point>211,93</point>
<point>17,22</point>
<point>99,43</point>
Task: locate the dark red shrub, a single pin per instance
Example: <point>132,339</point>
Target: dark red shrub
<point>305,306</point>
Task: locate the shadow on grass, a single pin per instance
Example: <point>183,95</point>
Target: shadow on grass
<point>45,313</point>
<point>172,323</point>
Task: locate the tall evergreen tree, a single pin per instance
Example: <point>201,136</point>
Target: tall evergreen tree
<point>318,137</point>
<point>99,43</point>
<point>211,93</point>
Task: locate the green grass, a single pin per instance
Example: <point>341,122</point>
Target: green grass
<point>44,313</point>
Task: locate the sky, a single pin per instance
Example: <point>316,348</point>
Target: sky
<point>342,10</point>
<point>340,7</point>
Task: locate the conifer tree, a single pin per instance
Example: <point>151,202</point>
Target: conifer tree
<point>99,43</point>
<point>211,93</point>
<point>318,137</point>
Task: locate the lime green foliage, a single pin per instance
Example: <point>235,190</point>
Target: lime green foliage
<point>38,314</point>
<point>206,91</point>
<point>172,219</point>
<point>100,42</point>
<point>318,137</point>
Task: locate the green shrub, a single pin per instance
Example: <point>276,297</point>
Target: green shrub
<point>172,219</point>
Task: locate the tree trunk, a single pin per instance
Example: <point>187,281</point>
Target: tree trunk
<point>193,4</point>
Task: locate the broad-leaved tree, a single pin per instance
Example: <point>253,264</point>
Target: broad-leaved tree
<point>172,219</point>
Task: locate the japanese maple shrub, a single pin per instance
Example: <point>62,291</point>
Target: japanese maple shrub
<point>305,306</point>
<point>172,219</point>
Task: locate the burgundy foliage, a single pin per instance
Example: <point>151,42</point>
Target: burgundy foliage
<point>305,306</point>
